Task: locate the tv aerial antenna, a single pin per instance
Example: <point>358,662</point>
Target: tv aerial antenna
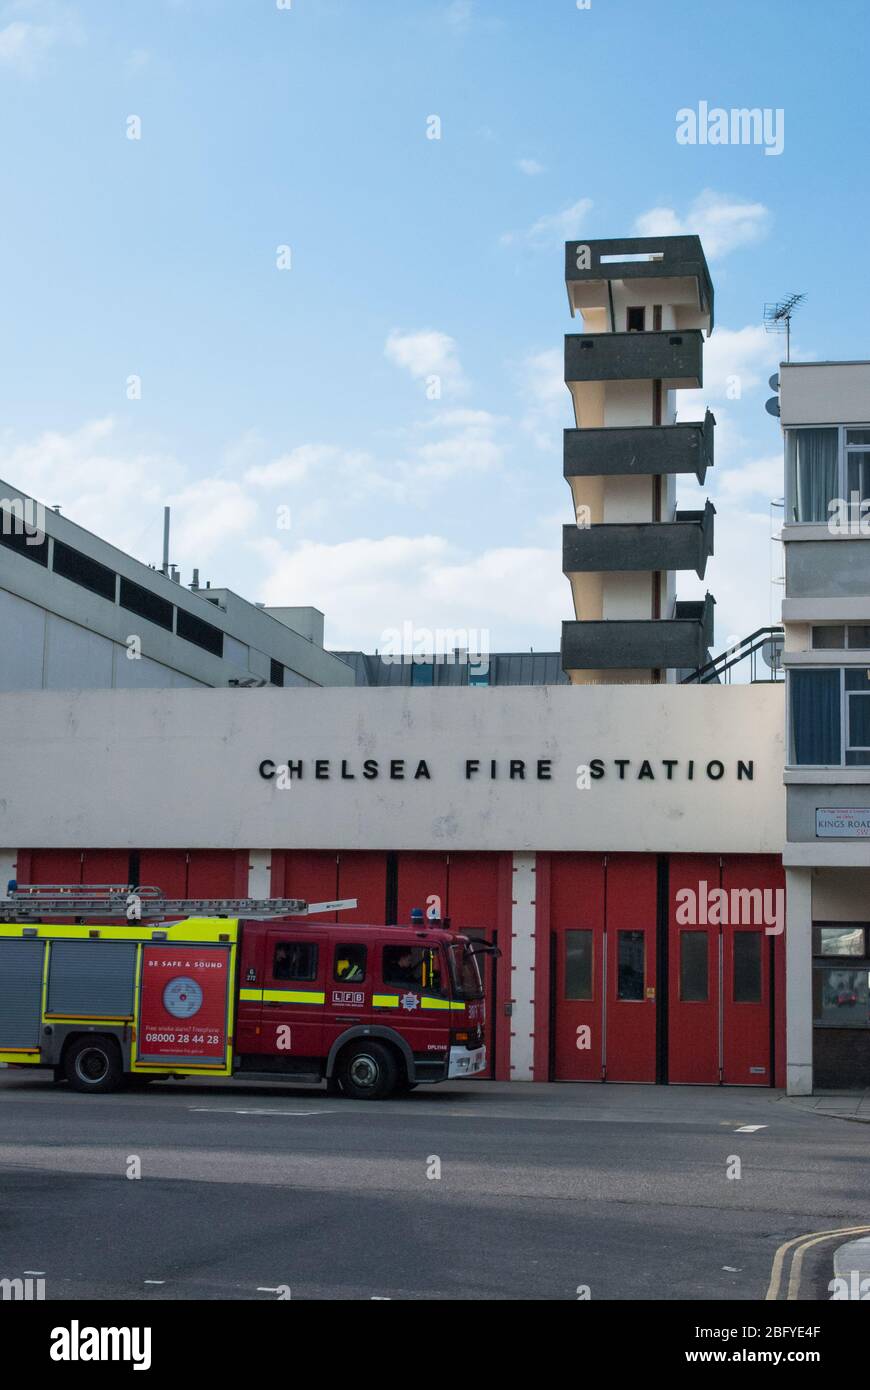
<point>778,316</point>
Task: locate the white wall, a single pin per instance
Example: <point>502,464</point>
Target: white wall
<point>168,768</point>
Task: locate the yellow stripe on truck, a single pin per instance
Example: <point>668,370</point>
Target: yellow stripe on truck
<point>293,996</point>
<point>385,1001</point>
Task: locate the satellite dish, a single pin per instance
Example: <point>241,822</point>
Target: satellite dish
<point>773,383</point>
<point>771,653</point>
<point>772,406</point>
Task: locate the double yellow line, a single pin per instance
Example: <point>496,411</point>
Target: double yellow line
<point>798,1248</point>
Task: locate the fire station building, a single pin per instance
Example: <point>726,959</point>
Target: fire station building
<point>612,816</point>
<point>589,832</point>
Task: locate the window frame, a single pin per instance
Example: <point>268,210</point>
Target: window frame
<point>845,746</point>
<point>843,451</point>
<point>312,946</point>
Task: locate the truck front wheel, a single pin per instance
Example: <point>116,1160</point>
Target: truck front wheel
<point>93,1065</point>
<point>368,1071</point>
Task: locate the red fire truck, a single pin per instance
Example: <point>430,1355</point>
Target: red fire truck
<point>101,985</point>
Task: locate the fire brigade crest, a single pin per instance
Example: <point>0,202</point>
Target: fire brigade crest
<point>410,1002</point>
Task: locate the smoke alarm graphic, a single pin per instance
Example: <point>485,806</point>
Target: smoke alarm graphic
<point>182,997</point>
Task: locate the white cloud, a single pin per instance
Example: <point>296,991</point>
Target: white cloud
<point>736,362</point>
<point>542,386</point>
<point>26,42</point>
<point>427,353</point>
<point>530,167</point>
<point>758,477</point>
<point>517,595</point>
<point>553,228</point>
<point>118,490</point>
<point>293,466</point>
<point>722,223</point>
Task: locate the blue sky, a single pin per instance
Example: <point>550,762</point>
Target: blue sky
<point>306,388</point>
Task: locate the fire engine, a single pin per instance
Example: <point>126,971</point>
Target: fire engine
<point>113,985</point>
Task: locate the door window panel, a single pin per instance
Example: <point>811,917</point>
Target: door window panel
<point>295,960</point>
<point>578,964</point>
<point>694,976</point>
<point>747,967</point>
<point>415,967</point>
<point>349,964</point>
<point>631,949</point>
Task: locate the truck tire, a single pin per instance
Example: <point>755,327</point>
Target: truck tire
<point>93,1064</point>
<point>368,1071</point>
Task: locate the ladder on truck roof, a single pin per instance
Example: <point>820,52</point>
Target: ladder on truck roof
<point>102,901</point>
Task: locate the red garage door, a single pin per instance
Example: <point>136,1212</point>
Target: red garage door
<point>422,883</point>
<point>603,923</point>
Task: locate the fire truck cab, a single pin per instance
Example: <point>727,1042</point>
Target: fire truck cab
<point>373,1011</point>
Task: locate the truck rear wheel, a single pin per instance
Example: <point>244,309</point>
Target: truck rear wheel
<point>368,1071</point>
<point>93,1065</point>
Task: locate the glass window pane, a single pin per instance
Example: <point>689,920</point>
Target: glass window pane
<point>813,459</point>
<point>847,940</point>
<point>815,714</point>
<point>350,964</point>
<point>857,437</point>
<point>423,673</point>
<point>829,637</point>
<point>858,477</point>
<point>578,964</point>
<point>859,720</point>
<point>693,967</point>
<point>840,996</point>
<point>295,960</point>
<point>858,635</point>
<point>747,967</point>
<point>630,964</point>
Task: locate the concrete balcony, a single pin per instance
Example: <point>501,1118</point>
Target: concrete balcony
<point>640,450</point>
<point>679,643</point>
<point>674,357</point>
<point>686,543</point>
<point>590,265</point>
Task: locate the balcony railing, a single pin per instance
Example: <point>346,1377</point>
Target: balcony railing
<point>675,357</point>
<point>683,544</point>
<point>640,450</point>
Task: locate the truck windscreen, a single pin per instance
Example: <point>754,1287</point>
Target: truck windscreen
<point>466,974</point>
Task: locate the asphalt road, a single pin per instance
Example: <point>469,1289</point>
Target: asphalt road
<point>250,1190</point>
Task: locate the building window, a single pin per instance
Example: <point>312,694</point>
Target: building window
<point>145,604</point>
<point>478,678</point>
<point>276,673</point>
<point>841,975</point>
<point>842,638</point>
<point>18,533</point>
<point>830,717</point>
<point>823,464</point>
<point>635,319</point>
<point>201,634</point>
<point>81,569</point>
<point>423,673</point>
<point>815,698</point>
<point>812,471</point>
